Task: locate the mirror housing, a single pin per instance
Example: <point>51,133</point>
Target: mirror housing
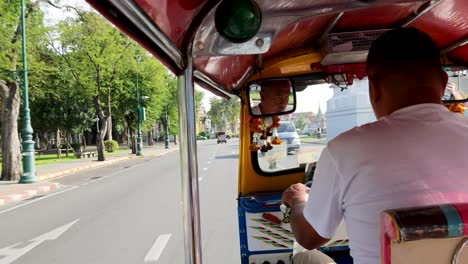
<point>271,97</point>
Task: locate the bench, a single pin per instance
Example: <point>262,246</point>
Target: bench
<point>85,154</point>
<point>39,152</point>
<point>70,150</point>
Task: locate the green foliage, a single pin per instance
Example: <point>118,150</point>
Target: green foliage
<point>301,121</point>
<point>111,145</point>
<point>224,113</point>
<point>76,146</point>
<point>203,134</point>
<point>64,62</point>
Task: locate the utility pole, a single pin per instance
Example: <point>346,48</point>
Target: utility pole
<point>29,169</point>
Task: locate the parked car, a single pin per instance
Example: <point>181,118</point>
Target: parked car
<point>201,138</point>
<point>288,133</point>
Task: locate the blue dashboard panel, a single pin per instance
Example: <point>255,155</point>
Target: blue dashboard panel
<point>266,237</point>
<point>262,237</point>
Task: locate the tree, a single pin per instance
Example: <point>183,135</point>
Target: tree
<point>223,113</point>
<point>10,41</point>
<point>233,113</point>
<point>217,113</point>
<point>301,121</point>
<point>96,53</point>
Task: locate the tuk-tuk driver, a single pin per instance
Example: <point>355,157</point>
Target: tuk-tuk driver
<point>274,97</point>
<point>410,156</point>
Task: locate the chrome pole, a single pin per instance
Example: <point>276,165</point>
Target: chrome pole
<point>189,170</point>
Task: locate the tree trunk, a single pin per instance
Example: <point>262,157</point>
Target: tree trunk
<point>67,142</point>
<point>58,144</point>
<point>109,111</point>
<point>103,119</point>
<point>43,140</point>
<point>11,160</point>
<point>134,143</point>
<point>100,139</point>
<point>150,137</point>
<point>83,141</point>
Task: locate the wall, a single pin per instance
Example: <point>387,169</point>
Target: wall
<point>349,108</point>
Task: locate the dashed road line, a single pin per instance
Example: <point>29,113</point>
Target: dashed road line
<point>155,251</point>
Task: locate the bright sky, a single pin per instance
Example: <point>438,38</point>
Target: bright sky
<point>308,100</point>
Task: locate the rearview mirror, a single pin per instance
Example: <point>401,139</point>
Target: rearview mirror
<point>457,87</point>
<point>271,97</point>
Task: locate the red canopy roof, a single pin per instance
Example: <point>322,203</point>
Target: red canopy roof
<point>167,28</point>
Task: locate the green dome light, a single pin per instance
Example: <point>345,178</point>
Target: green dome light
<point>238,20</point>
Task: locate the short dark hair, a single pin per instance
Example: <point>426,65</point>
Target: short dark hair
<point>402,47</point>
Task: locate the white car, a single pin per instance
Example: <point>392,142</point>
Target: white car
<point>288,133</point>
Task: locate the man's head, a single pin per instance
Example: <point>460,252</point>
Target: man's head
<point>274,96</point>
<point>404,69</point>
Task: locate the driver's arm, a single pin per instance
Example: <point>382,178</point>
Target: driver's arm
<point>304,233</point>
<point>316,212</point>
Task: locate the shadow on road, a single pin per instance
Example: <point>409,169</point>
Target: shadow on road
<point>234,156</point>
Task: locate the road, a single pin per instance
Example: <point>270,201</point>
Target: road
<point>127,213</point>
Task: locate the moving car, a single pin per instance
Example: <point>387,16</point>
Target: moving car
<point>221,136</point>
<point>288,133</point>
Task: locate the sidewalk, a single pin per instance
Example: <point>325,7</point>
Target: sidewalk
<point>12,192</point>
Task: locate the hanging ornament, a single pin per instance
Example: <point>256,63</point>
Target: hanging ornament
<point>263,129</point>
<point>274,128</point>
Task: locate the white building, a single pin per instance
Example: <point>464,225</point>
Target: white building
<point>349,108</point>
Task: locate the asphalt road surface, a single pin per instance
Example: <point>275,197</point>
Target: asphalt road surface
<point>128,212</point>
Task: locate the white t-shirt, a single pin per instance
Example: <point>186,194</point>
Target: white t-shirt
<point>415,156</point>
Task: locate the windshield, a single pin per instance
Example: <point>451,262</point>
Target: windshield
<point>286,127</point>
<point>303,133</point>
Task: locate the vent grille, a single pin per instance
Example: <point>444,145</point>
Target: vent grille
<point>348,47</point>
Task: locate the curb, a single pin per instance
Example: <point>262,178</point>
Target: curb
<point>44,188</point>
<point>73,170</point>
<point>99,164</point>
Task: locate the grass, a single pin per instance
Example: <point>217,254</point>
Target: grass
<point>52,158</point>
<point>313,139</point>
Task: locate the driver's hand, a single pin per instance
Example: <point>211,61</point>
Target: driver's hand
<point>452,88</point>
<point>296,194</point>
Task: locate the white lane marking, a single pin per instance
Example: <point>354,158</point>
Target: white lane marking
<point>12,253</point>
<point>205,169</point>
<point>200,179</point>
<point>36,200</point>
<point>155,251</point>
<point>209,162</point>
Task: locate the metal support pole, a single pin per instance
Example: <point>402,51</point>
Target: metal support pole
<point>29,170</point>
<point>139,134</point>
<point>166,136</point>
<point>189,170</point>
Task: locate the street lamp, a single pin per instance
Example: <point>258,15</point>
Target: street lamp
<point>166,140</point>
<point>29,170</point>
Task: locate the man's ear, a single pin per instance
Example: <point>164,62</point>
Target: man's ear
<point>374,92</point>
<point>444,81</point>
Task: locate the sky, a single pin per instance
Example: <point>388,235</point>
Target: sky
<point>308,100</point>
